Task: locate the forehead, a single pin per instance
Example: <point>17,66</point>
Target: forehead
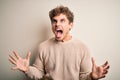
<point>60,16</point>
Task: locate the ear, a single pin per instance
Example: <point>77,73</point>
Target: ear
<point>71,25</point>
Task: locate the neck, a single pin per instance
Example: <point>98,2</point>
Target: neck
<point>67,38</point>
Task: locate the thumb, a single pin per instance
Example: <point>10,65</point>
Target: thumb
<point>28,55</point>
<point>93,63</point>
<point>14,68</point>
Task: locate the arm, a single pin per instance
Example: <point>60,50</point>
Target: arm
<point>85,65</point>
<point>99,72</point>
<point>37,70</point>
<point>23,65</point>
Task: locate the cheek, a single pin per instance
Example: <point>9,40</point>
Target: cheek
<point>52,28</point>
<point>66,28</point>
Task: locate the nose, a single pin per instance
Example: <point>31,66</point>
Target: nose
<point>57,23</point>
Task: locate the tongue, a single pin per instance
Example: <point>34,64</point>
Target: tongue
<point>59,34</point>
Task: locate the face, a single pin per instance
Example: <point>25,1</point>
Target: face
<point>61,27</point>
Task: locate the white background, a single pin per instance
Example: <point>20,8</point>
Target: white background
<point>24,24</point>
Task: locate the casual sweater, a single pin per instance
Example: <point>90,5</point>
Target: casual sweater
<point>68,60</point>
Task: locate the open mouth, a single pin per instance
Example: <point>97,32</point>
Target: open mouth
<point>59,33</point>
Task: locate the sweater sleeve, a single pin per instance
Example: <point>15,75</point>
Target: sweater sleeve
<point>85,66</point>
<point>37,70</point>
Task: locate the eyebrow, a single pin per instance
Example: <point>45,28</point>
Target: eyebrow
<point>56,20</point>
<point>62,19</point>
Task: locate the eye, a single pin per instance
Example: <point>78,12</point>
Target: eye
<point>54,21</point>
<point>62,20</point>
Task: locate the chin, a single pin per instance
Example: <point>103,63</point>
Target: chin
<point>59,39</point>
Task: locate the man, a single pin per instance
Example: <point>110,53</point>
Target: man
<point>62,57</point>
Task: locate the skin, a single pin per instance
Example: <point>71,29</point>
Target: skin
<point>62,23</point>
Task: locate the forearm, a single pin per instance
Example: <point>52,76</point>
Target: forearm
<point>91,76</point>
<point>34,73</point>
<point>86,76</point>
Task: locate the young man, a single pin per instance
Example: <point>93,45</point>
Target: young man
<point>62,57</point>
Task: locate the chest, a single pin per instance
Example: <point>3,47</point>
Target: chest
<point>63,58</point>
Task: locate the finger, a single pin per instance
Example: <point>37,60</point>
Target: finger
<point>105,72</point>
<point>16,54</point>
<point>106,63</point>
<point>107,67</point>
<point>10,56</point>
<point>103,76</point>
<point>12,61</point>
<point>93,62</point>
<point>28,55</point>
<point>14,68</point>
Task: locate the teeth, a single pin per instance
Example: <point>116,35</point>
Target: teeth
<point>58,29</point>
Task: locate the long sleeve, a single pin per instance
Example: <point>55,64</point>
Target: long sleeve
<point>85,66</point>
<point>37,70</point>
<point>62,61</point>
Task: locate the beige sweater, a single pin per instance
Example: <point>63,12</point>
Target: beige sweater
<point>62,61</point>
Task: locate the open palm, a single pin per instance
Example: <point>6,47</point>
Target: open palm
<point>99,71</point>
<point>21,64</point>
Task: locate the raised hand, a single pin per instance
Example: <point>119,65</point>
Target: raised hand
<point>99,71</point>
<point>21,64</point>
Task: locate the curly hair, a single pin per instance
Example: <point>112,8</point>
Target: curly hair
<point>61,10</point>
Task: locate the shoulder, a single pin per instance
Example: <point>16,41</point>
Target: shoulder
<point>46,43</point>
<point>80,44</point>
<point>83,48</point>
